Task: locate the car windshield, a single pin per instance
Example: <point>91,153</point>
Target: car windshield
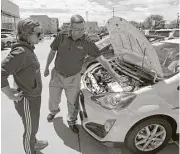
<point>168,54</point>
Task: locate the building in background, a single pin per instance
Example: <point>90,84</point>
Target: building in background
<point>9,15</point>
<point>54,25</point>
<point>45,21</point>
<point>50,25</point>
<point>65,26</point>
<point>92,27</point>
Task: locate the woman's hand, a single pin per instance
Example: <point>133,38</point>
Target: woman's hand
<point>17,96</point>
<point>12,94</point>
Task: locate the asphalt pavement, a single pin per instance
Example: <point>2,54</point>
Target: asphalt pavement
<point>61,139</point>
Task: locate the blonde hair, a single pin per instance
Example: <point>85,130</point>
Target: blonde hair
<point>26,27</point>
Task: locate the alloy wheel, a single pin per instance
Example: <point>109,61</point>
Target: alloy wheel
<point>150,137</point>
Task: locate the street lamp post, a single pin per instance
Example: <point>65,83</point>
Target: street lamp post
<point>177,23</point>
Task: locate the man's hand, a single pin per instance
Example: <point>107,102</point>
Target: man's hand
<point>46,72</point>
<point>108,67</point>
<point>117,78</point>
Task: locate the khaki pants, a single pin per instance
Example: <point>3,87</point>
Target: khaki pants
<point>71,85</point>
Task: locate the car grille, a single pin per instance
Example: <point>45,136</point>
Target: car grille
<point>97,129</point>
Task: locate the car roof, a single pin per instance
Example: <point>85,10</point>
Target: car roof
<point>175,41</point>
<point>165,30</point>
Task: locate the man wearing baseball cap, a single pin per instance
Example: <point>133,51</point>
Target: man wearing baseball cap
<point>70,48</point>
<point>23,64</point>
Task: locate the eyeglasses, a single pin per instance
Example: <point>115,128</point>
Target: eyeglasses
<point>77,29</point>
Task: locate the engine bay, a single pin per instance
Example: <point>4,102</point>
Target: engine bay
<point>98,80</point>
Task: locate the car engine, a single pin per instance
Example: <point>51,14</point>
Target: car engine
<point>100,81</point>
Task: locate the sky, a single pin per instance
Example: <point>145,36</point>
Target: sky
<point>99,10</point>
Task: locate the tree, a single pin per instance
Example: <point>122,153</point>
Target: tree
<point>136,24</point>
<point>154,22</point>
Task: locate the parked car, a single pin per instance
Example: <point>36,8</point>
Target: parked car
<point>142,110</point>
<point>3,44</point>
<point>9,39</point>
<point>169,33</point>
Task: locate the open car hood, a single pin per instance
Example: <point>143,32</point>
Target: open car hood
<point>124,37</point>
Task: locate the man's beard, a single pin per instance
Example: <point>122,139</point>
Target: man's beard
<point>75,36</point>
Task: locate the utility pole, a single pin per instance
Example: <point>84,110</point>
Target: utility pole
<point>113,12</point>
<point>86,16</point>
<point>177,22</point>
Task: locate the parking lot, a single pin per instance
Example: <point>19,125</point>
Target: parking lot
<point>60,138</point>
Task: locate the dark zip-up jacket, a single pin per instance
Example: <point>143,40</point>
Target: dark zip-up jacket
<point>23,64</point>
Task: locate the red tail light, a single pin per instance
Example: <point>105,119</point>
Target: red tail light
<point>114,100</point>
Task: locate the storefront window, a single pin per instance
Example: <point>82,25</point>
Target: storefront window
<point>8,22</point>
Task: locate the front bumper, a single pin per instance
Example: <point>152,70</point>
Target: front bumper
<point>93,118</point>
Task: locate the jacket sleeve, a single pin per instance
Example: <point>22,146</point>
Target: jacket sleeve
<point>12,64</point>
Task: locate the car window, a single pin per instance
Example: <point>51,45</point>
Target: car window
<point>168,54</point>
<point>162,33</point>
<point>176,33</point>
<point>3,36</point>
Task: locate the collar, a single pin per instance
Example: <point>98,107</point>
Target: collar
<point>32,47</point>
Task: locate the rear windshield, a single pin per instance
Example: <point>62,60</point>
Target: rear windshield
<point>162,33</point>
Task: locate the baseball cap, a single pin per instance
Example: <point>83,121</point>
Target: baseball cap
<point>26,26</point>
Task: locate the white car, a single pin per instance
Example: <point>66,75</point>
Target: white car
<point>142,110</point>
<point>9,39</point>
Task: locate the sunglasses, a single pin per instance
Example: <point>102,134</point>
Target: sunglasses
<point>77,29</point>
<point>38,34</point>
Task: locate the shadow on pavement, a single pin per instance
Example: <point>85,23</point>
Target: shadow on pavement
<point>70,139</point>
<point>89,145</point>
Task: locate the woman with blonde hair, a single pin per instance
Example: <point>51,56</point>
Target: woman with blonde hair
<point>23,64</point>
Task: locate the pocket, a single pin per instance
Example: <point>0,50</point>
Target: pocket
<point>34,84</point>
<point>75,80</point>
<point>54,81</point>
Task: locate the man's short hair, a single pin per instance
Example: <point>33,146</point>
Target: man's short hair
<point>77,19</point>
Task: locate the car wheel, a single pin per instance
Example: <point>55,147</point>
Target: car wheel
<point>9,44</point>
<point>149,136</point>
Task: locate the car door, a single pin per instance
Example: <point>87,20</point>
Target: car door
<point>4,38</point>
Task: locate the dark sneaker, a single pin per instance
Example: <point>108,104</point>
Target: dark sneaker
<point>74,128</point>
<point>50,117</point>
<point>39,145</point>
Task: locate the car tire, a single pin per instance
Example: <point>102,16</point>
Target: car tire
<point>132,136</point>
<point>9,44</point>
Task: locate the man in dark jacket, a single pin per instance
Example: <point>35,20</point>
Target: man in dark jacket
<point>23,64</point>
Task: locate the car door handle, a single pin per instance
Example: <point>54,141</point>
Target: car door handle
<point>178,88</point>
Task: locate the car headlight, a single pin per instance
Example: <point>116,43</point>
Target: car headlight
<point>114,101</point>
